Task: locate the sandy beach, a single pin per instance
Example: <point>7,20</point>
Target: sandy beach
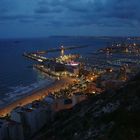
<point>53,87</point>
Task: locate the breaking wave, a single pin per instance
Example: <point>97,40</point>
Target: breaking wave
<point>20,91</point>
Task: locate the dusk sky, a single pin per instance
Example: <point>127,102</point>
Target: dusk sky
<point>41,18</point>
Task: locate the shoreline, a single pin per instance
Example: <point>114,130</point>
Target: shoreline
<point>36,95</point>
<point>22,95</point>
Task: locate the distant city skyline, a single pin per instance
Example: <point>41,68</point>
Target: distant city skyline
<point>42,18</point>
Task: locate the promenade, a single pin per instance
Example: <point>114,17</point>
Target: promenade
<point>54,87</point>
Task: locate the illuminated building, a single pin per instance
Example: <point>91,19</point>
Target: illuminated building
<point>56,67</point>
<point>62,51</point>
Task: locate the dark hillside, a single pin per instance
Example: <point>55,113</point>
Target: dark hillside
<point>109,116</point>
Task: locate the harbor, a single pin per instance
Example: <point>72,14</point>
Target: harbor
<point>69,70</point>
<point>76,79</point>
<point>72,67</point>
<point>53,67</point>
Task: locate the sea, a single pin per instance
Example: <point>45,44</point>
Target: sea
<point>18,77</point>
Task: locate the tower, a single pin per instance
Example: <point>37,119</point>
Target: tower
<point>62,51</point>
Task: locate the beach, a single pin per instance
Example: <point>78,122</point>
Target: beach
<point>53,87</point>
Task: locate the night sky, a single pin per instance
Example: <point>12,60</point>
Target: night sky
<point>40,18</point>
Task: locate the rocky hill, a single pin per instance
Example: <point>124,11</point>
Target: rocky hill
<point>108,116</point>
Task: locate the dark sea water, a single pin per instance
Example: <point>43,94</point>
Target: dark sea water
<point>16,74</point>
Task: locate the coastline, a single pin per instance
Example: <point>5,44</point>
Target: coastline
<point>28,90</point>
<point>36,95</point>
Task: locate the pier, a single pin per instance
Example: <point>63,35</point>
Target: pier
<point>58,49</point>
<point>36,57</point>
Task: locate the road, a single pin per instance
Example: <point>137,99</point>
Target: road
<point>56,86</point>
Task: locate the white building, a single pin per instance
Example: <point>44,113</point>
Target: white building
<point>11,130</point>
<point>32,116</point>
<point>3,129</point>
<point>26,117</point>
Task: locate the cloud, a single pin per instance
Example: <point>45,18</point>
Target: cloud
<point>85,12</point>
<point>72,14</point>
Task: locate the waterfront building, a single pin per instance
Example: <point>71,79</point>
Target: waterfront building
<point>11,130</point>
<point>32,116</point>
<point>3,129</point>
<point>26,117</point>
<point>56,67</point>
<point>66,103</point>
<point>49,99</point>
